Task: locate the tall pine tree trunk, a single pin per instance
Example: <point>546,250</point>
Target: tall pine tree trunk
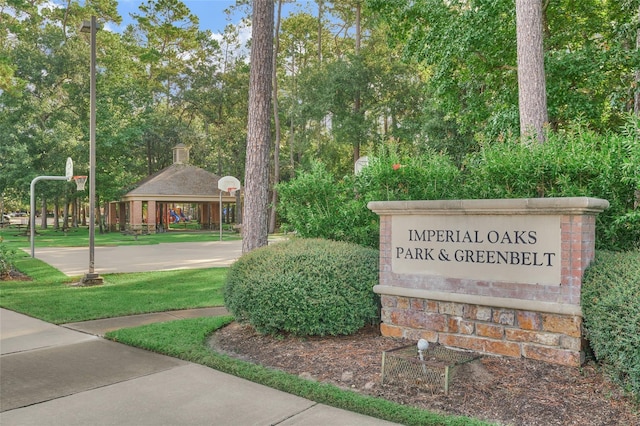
<point>636,100</point>
<point>65,214</point>
<point>98,216</point>
<point>356,102</point>
<point>56,208</point>
<point>532,94</point>
<point>276,123</point>
<point>320,11</point>
<point>256,196</point>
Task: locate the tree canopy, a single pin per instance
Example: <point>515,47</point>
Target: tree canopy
<point>352,75</point>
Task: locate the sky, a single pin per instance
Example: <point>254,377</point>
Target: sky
<point>210,12</point>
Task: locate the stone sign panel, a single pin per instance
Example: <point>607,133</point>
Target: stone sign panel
<point>517,249</point>
<point>501,277</point>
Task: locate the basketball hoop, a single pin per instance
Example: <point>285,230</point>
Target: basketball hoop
<point>232,191</point>
<point>80,182</point>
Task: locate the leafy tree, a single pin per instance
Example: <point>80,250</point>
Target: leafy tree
<point>590,58</point>
<point>40,109</point>
<point>468,48</point>
<point>298,54</point>
<point>165,40</point>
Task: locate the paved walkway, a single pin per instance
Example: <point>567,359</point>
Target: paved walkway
<point>74,261</point>
<point>68,375</point>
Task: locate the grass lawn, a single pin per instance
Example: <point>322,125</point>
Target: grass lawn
<point>79,237</point>
<point>50,297</point>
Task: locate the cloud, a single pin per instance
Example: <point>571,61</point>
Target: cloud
<point>237,38</point>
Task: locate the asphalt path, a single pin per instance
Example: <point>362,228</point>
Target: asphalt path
<point>74,261</point>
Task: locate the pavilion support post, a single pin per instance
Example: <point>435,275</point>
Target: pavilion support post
<point>151,216</point>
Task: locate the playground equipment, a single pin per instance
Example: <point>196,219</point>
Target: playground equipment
<point>178,215</point>
<point>174,216</point>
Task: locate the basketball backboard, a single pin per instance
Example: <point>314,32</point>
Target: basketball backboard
<point>69,169</point>
<point>228,184</point>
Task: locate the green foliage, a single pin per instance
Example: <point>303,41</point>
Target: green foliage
<point>390,177</point>
<point>470,50</point>
<point>305,287</point>
<point>611,308</point>
<point>163,82</point>
<point>7,259</point>
<point>575,163</point>
<point>315,205</point>
<point>186,339</point>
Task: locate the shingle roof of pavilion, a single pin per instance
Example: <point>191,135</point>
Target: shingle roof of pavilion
<point>181,180</point>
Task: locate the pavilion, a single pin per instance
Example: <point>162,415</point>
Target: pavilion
<point>180,193</point>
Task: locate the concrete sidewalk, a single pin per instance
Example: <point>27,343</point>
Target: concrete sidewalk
<point>52,375</point>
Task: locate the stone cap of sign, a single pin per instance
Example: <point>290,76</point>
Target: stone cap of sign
<point>530,206</point>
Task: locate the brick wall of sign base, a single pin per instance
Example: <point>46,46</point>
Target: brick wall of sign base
<point>542,322</point>
<point>548,337</point>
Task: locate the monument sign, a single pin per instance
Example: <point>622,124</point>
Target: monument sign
<point>494,276</point>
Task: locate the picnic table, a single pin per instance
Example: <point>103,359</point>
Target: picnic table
<point>23,229</point>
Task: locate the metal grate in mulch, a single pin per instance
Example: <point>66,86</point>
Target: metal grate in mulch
<point>403,366</point>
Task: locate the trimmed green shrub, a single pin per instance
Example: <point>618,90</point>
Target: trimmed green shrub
<point>305,287</point>
<point>611,308</point>
<point>429,176</point>
<point>7,259</point>
<point>316,205</point>
<point>576,163</point>
<point>573,163</point>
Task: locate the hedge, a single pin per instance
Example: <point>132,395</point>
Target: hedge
<point>611,309</point>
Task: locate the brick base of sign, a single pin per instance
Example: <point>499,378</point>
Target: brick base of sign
<point>547,337</point>
<point>500,277</point>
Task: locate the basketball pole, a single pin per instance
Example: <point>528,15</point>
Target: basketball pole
<point>92,152</point>
<point>32,213</point>
<point>92,278</point>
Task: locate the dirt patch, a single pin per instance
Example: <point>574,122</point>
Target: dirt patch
<point>14,275</point>
<point>504,390</point>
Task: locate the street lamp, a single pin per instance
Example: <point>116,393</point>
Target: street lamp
<point>92,278</point>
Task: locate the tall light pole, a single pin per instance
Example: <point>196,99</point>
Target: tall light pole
<point>91,278</point>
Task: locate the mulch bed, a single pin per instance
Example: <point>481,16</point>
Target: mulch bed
<point>505,390</point>
<point>14,275</point>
